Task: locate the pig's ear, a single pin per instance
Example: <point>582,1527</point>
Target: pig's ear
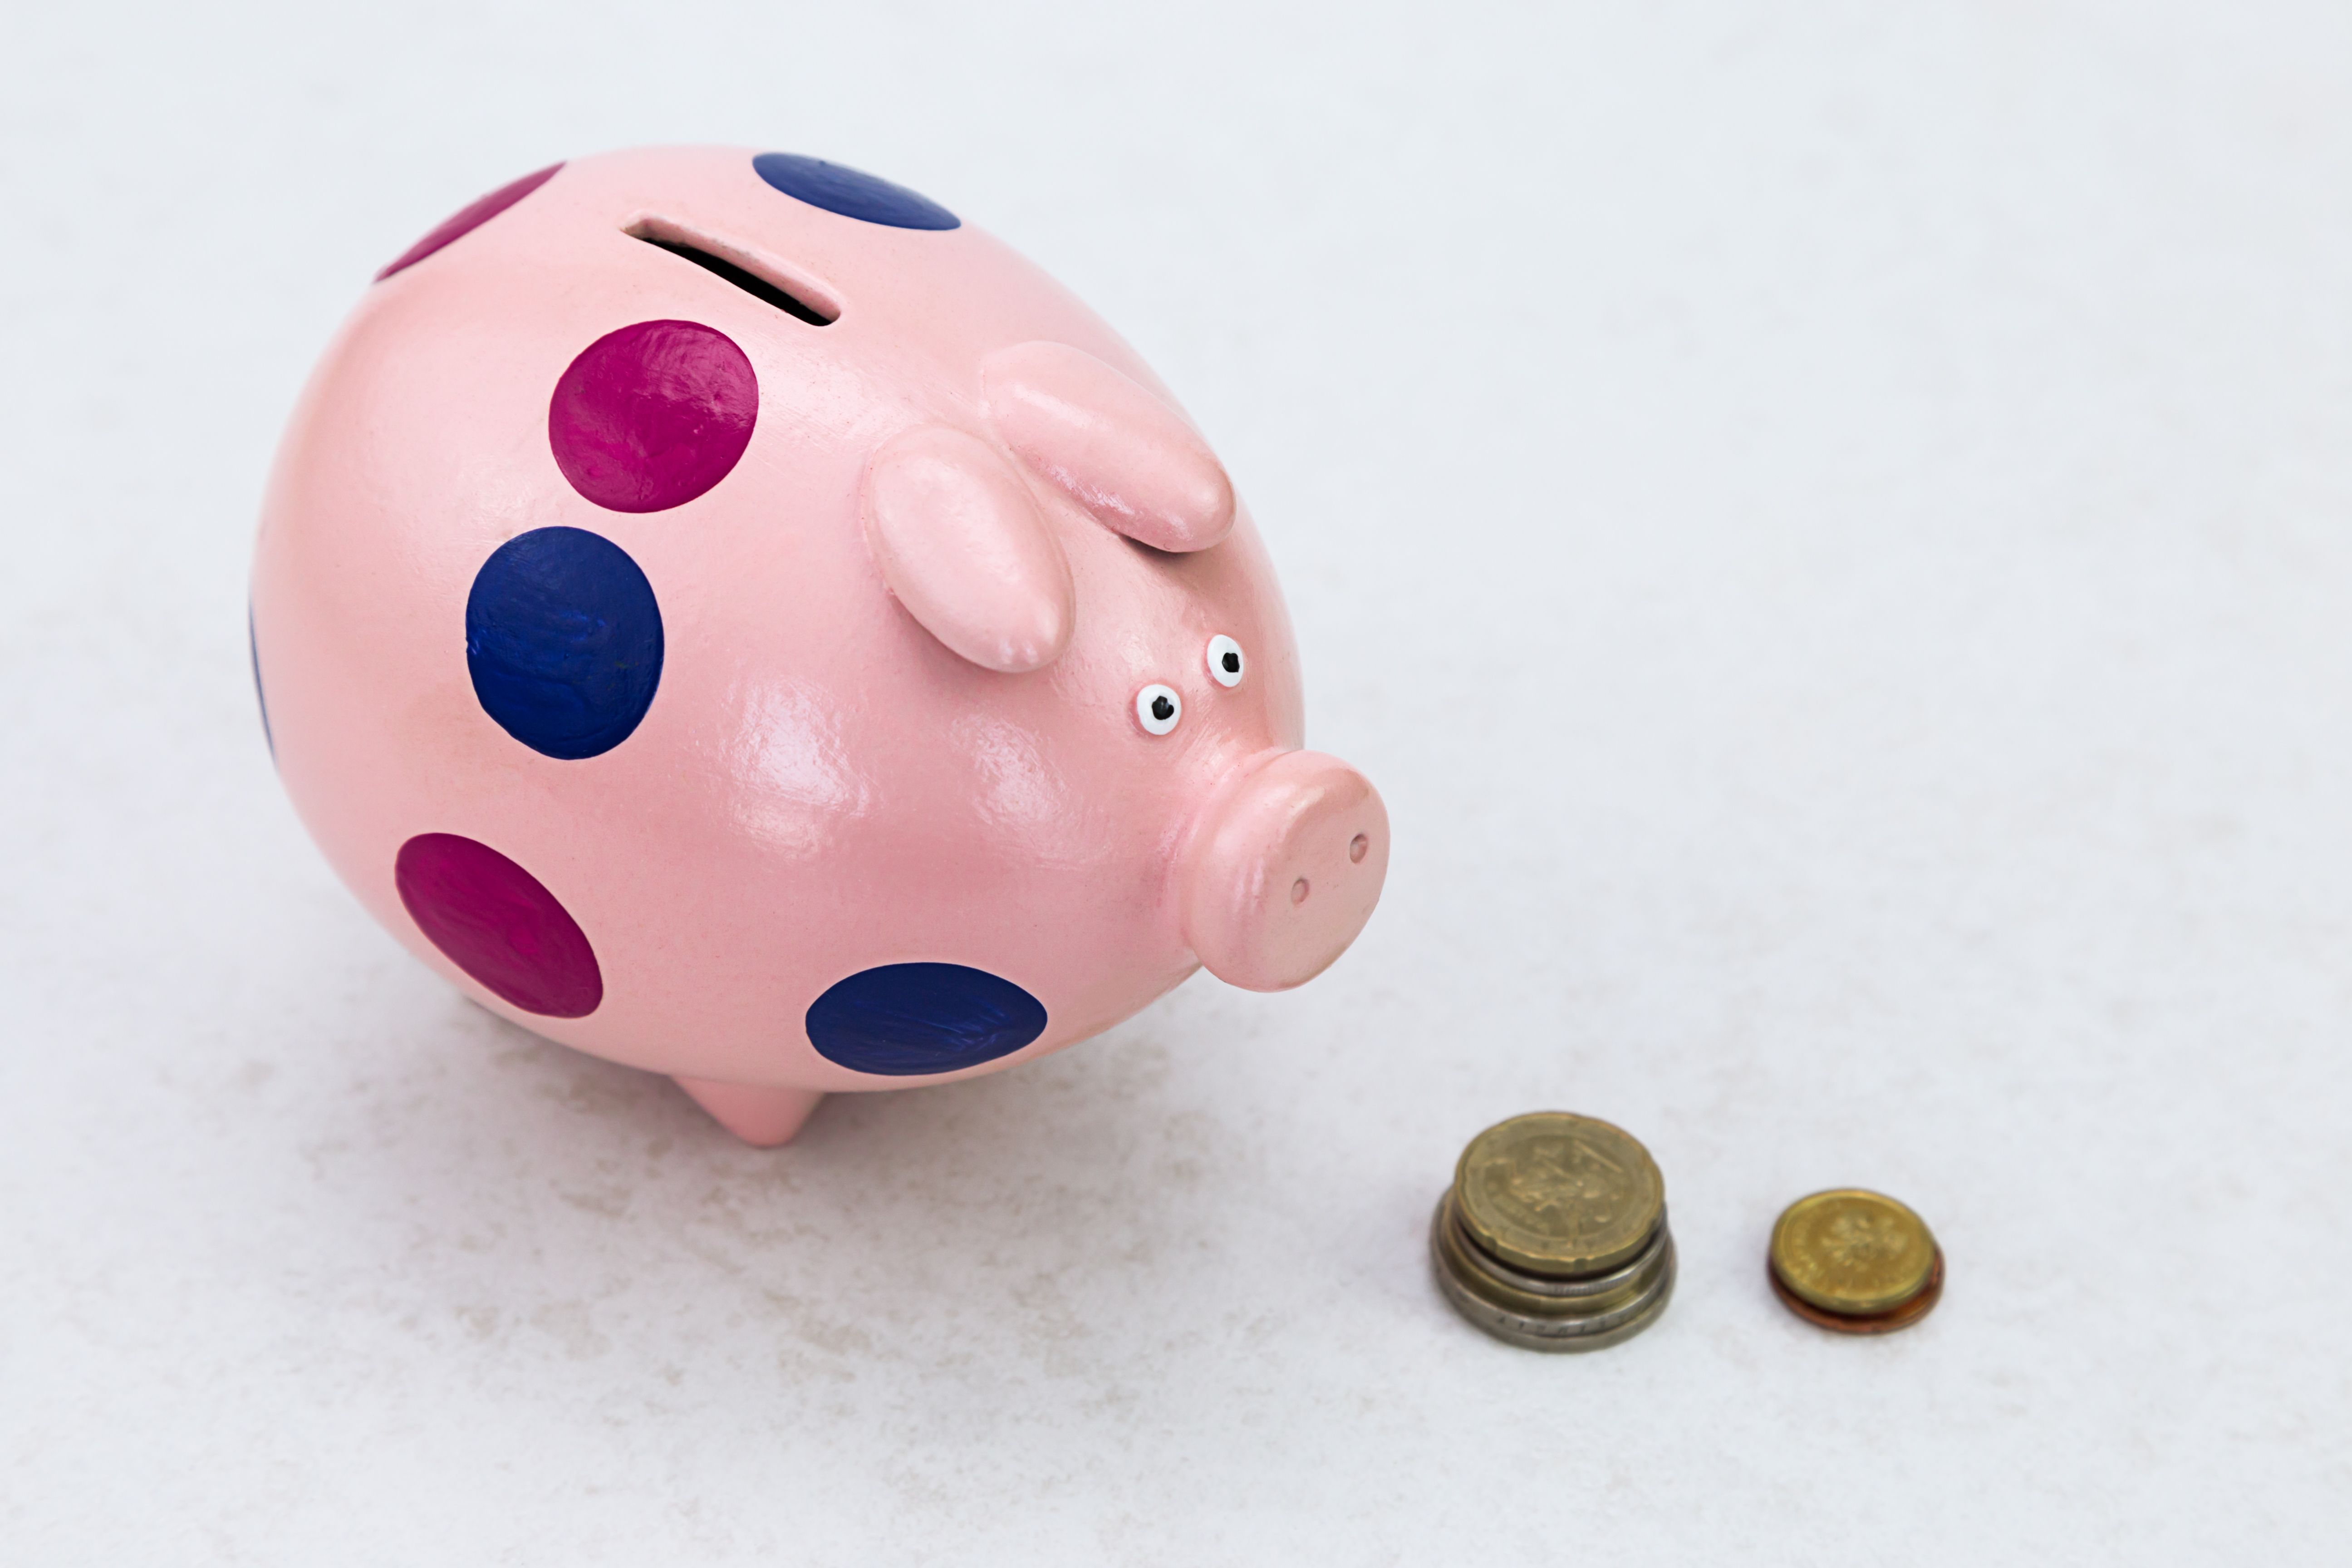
<point>1120,452</point>
<point>961,542</point>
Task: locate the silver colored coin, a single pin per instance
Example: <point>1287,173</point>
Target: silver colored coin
<point>1560,1328</point>
<point>1567,1288</point>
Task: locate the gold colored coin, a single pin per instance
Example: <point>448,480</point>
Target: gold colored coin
<point>1853,1252</point>
<point>1559,1194</point>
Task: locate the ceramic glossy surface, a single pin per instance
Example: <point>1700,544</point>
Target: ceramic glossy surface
<point>750,661</point>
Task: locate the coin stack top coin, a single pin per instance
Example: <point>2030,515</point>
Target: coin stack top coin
<point>1554,1236</point>
<point>1855,1261</point>
<point>1556,1193</point>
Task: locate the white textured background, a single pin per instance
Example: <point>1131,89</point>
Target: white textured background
<point>1830,525</point>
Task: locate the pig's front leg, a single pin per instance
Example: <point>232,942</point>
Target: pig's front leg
<point>762,1118</point>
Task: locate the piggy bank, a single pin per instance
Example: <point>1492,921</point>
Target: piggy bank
<point>730,616</point>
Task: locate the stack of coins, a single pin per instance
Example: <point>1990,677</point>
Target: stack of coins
<point>1857,1262</point>
<point>1553,1236</point>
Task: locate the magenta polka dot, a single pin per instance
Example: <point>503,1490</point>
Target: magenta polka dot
<point>652,415</point>
<point>468,218</point>
<point>496,921</point>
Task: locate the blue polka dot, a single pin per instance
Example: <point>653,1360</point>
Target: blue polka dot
<point>839,189</point>
<point>907,1018</point>
<point>564,640</point>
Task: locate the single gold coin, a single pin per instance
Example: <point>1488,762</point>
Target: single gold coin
<point>1852,1253</point>
<point>1886,1322</point>
<point>1559,1194</point>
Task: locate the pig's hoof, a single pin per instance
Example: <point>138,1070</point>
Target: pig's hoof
<point>762,1118</point>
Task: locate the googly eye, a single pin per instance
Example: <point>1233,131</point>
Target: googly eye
<point>1156,708</point>
<point>1225,663</point>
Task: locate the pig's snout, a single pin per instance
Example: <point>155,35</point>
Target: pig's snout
<point>1284,869</point>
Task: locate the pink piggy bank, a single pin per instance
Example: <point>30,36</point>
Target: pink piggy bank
<point>732,617</point>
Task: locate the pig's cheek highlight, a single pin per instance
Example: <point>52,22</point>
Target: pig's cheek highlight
<point>904,1019</point>
<point>564,640</point>
<point>500,925</point>
<point>652,415</point>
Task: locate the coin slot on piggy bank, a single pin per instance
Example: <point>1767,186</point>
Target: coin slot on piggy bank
<point>797,299</point>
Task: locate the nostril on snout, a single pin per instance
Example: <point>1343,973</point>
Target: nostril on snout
<point>1284,823</point>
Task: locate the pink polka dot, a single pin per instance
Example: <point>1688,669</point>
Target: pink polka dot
<point>466,219</point>
<point>495,920</point>
<point>652,415</point>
